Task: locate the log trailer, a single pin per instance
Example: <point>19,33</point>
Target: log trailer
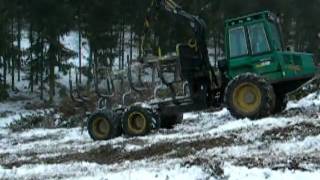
<point>251,82</point>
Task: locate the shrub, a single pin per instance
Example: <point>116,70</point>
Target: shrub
<point>40,120</point>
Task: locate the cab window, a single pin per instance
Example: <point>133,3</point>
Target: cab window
<point>276,36</point>
<point>258,39</point>
<point>237,42</point>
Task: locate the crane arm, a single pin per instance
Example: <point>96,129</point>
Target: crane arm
<point>197,24</point>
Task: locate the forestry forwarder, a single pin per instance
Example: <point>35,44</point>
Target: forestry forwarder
<point>251,82</point>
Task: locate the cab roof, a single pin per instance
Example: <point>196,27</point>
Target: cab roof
<point>250,17</point>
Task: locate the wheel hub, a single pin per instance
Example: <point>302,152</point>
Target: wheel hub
<point>250,97</point>
<point>101,127</point>
<point>137,122</point>
<point>247,97</point>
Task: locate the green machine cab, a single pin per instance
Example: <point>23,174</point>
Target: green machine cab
<point>254,44</point>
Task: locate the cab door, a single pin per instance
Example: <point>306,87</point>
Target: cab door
<point>238,51</point>
<point>250,51</point>
<point>263,59</point>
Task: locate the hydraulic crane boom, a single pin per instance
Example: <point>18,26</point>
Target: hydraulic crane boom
<point>194,56</point>
<point>198,25</point>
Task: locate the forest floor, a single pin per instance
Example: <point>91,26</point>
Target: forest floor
<point>206,145</point>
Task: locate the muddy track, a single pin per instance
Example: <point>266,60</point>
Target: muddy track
<point>266,160</point>
<point>109,155</point>
<point>277,163</point>
<point>299,131</point>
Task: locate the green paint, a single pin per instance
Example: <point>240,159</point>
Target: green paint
<point>253,44</point>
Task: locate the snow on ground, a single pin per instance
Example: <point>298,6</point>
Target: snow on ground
<point>13,111</point>
<point>146,171</point>
<point>311,100</point>
<point>141,170</point>
<point>239,173</point>
<point>284,146</point>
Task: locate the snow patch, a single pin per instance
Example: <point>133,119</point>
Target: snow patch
<point>128,170</point>
<point>240,173</point>
<point>311,100</point>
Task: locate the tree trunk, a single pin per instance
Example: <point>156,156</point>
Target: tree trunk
<point>108,84</point>
<point>120,49</point>
<point>90,67</point>
<point>41,69</point>
<point>37,62</point>
<point>139,46</point>
<point>19,48</point>
<point>4,71</point>
<point>31,58</point>
<point>80,54</point>
<point>131,42</point>
<point>52,61</point>
<point>12,56</point>
<point>123,44</point>
<point>96,78</point>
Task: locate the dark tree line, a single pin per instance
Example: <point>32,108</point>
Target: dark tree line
<point>112,26</point>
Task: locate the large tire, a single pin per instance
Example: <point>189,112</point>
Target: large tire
<point>138,121</point>
<point>104,126</point>
<point>249,96</point>
<point>169,121</point>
